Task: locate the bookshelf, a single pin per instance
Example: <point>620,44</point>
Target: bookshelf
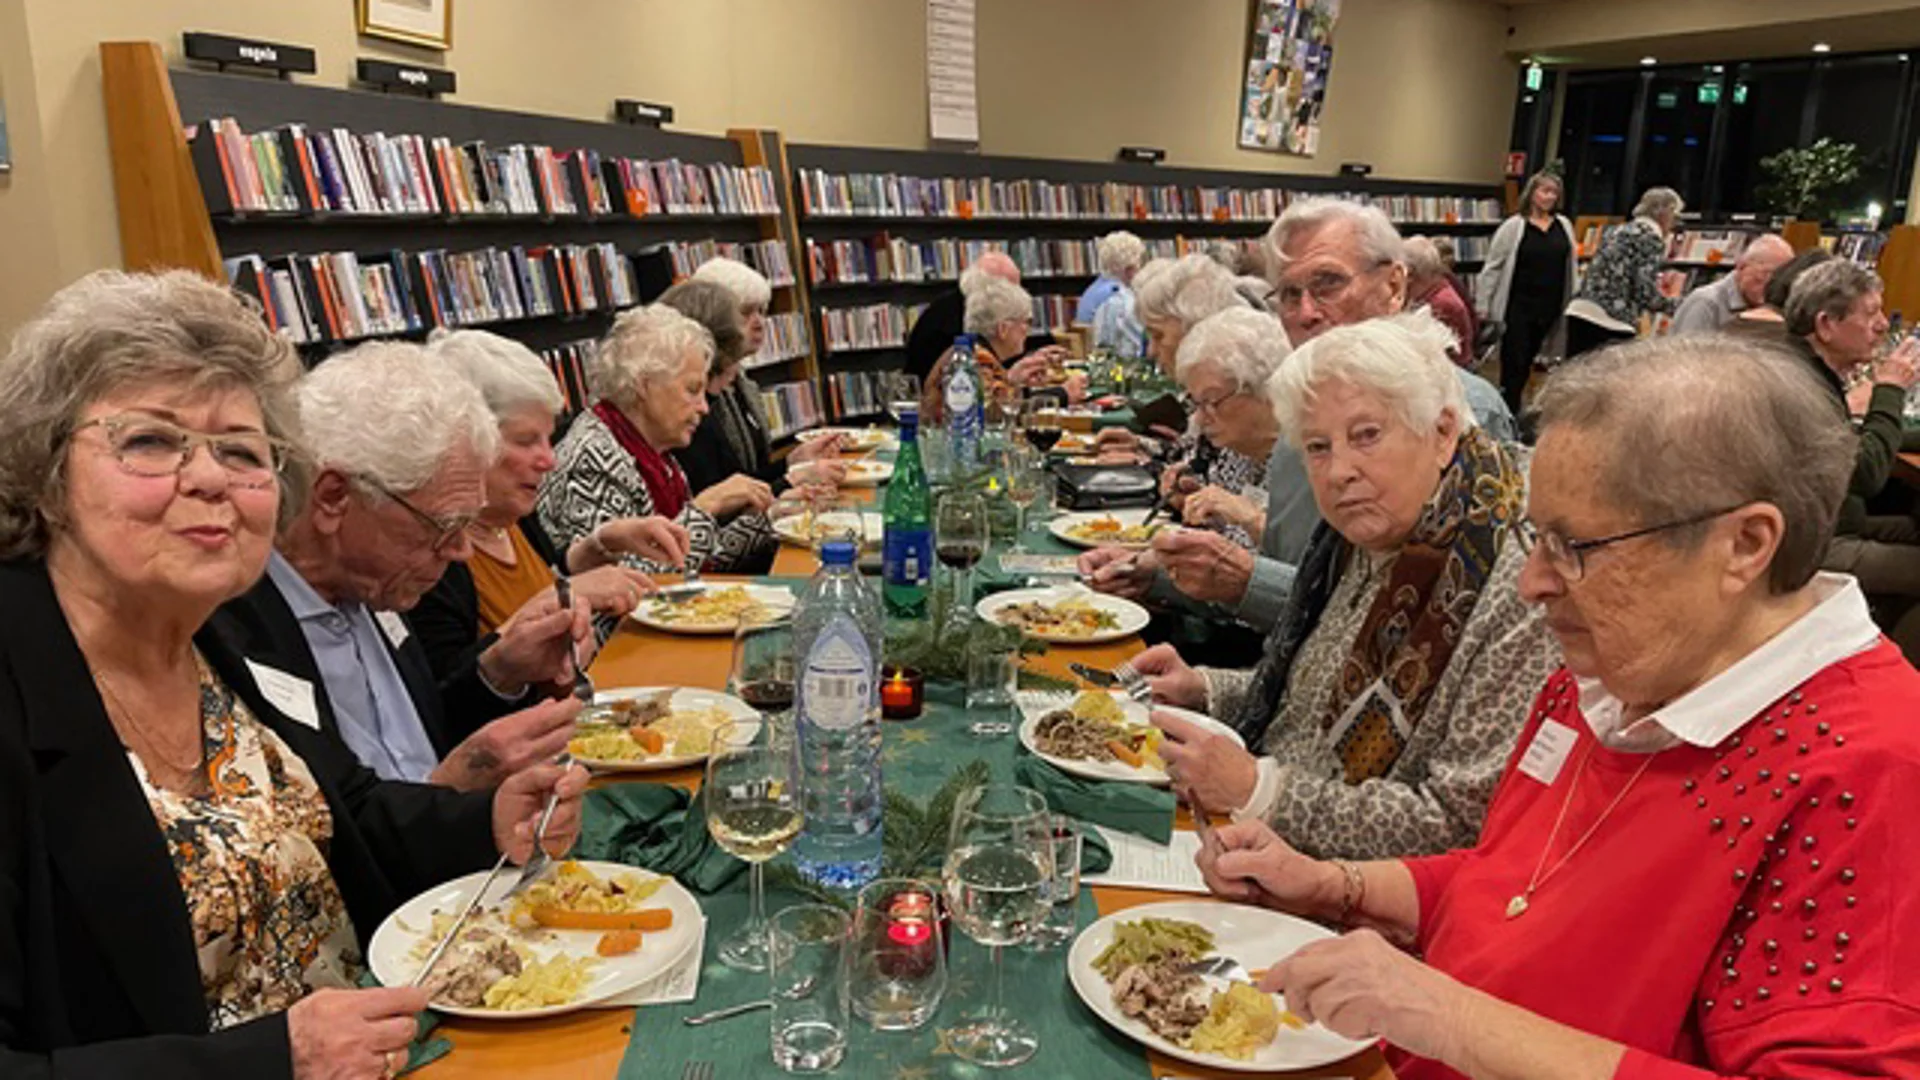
<point>352,215</point>
<point>882,232</point>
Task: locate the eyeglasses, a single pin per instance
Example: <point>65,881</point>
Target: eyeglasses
<point>1568,557</point>
<point>1213,406</point>
<point>151,447</point>
<point>445,530</point>
<point>1325,286</point>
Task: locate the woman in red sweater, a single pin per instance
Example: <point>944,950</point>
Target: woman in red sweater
<point>1699,858</point>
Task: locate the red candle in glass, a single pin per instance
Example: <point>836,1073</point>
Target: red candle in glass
<point>910,932</point>
<point>901,692</point>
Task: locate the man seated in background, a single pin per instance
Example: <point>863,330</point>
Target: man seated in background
<point>1715,305</point>
<point>1431,287</point>
<point>943,320</point>
<point>400,446</point>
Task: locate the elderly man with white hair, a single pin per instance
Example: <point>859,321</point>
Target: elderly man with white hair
<point>1390,692</point>
<point>1430,286</point>
<point>400,447</point>
<point>943,320</point>
<point>1714,306</point>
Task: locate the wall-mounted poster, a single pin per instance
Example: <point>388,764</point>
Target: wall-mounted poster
<point>1288,58</point>
<point>416,22</point>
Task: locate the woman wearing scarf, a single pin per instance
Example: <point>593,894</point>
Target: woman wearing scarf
<point>650,379</point>
<point>1393,685</point>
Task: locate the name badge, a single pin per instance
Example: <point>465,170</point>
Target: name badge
<point>290,694</point>
<point>1548,751</point>
<point>392,625</point>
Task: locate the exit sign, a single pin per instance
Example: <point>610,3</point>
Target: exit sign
<point>1534,76</point>
<point>1710,93</point>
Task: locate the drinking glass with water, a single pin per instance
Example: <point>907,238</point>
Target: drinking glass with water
<point>807,971</point>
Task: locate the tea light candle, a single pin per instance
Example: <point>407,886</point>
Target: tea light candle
<point>901,692</point>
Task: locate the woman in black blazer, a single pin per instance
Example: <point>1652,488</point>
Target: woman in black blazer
<point>188,871</point>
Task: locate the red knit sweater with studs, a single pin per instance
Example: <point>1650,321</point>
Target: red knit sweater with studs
<point>1747,910</point>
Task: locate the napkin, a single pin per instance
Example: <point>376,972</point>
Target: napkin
<point>656,827</point>
<point>1128,807</point>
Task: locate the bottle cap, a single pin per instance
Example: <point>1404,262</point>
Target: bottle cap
<point>837,553</point>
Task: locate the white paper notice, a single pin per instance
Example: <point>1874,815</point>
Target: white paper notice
<point>677,984</point>
<point>953,106</point>
<point>1139,863</point>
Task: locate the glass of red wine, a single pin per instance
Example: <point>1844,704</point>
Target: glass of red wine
<point>1041,421</point>
<point>960,532</point>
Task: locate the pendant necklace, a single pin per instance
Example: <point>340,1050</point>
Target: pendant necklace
<point>1517,906</point>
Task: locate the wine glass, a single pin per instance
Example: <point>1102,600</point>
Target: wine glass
<point>1040,419</point>
<point>960,541</point>
<point>752,789</point>
<point>1022,467</point>
<point>999,861</point>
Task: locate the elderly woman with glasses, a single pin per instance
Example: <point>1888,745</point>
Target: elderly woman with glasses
<point>1699,857</point>
<point>650,381</point>
<point>188,870</point>
<point>999,316</point>
<point>1389,692</point>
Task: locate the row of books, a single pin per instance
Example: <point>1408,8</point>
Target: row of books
<point>568,363</point>
<point>767,256</point>
<point>868,326</point>
<point>825,194</point>
<point>853,393</point>
<point>790,407</point>
<point>1708,245</point>
<point>297,169</point>
<point>1053,311</point>
<point>885,258</point>
<point>340,296</point>
<point>786,340</point>
<point>1860,248</point>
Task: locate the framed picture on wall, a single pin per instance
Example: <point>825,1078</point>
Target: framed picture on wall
<point>416,22</point>
<point>1289,54</point>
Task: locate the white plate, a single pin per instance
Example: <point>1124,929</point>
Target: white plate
<point>684,698</point>
<point>1256,937</point>
<point>1060,525</point>
<point>1133,618</point>
<point>1136,713</point>
<point>777,599</point>
<point>857,439</point>
<point>867,473</point>
<point>791,529</point>
<point>659,951</point>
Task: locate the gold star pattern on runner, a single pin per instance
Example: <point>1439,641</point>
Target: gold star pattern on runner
<point>913,1072</point>
<point>917,736</point>
<point>945,1045</point>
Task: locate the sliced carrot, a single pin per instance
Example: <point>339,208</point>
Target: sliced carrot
<point>650,740</point>
<point>648,919</point>
<point>618,942</point>
<point>1124,752</point>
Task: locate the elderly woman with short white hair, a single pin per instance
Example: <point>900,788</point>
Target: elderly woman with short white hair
<point>999,316</point>
<point>1108,304</point>
<point>1390,691</point>
<point>649,380</point>
<point>513,560</point>
<point>1623,281</point>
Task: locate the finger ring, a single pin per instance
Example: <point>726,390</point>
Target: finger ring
<point>393,1068</point>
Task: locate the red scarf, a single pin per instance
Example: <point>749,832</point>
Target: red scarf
<point>666,484</point>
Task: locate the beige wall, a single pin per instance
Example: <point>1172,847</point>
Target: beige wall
<point>1553,25</point>
<point>1420,88</point>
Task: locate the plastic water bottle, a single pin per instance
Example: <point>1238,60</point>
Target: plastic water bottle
<point>907,550</point>
<point>837,652</point>
<point>965,408</point>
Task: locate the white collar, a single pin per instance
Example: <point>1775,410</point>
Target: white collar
<point>1838,626</point>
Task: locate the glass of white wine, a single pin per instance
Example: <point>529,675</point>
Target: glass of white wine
<point>999,863</point>
<point>752,794</point>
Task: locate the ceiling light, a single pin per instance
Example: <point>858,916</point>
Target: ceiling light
<point>1648,61</point>
<point>1822,47</point>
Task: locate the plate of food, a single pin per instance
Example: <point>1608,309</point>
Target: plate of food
<point>1131,969</point>
<point>807,528</point>
<point>644,728</point>
<point>716,609</point>
<point>1102,735</point>
<point>856,439</point>
<point>1065,615</point>
<point>1074,442</point>
<point>867,472</point>
<point>585,932</point>
<point>1108,528</point>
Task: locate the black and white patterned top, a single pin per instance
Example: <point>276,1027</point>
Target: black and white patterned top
<point>1624,277</point>
<point>595,480</point>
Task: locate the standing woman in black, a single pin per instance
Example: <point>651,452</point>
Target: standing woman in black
<point>1528,280</point>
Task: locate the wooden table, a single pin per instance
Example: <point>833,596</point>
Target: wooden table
<point>590,1043</point>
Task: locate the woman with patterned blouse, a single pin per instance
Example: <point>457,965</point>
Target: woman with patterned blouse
<point>188,867</point>
<point>650,379</point>
<point>1623,280</point>
<point>1391,689</point>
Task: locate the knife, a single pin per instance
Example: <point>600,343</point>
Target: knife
<point>1105,680</point>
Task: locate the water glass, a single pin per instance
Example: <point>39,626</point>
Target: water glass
<point>998,861</point>
<point>934,455</point>
<point>1063,888</point>
<point>992,672</point>
<point>807,970</point>
<point>899,962</point>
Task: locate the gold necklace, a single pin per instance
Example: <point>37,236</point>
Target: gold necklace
<point>1517,906</point>
<point>191,768</point>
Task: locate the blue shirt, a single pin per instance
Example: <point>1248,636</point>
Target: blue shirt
<point>1096,294</point>
<point>370,700</point>
<point>1116,328</point>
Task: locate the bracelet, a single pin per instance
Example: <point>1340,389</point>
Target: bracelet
<point>1354,892</point>
<point>597,546</point>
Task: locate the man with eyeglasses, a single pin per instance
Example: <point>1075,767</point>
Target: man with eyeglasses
<point>400,448</point>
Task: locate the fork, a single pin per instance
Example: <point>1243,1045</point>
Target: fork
<point>1224,967</point>
<point>582,682</point>
<point>537,862</point>
<point>697,1070</point>
<point>690,584</point>
<point>1134,683</point>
